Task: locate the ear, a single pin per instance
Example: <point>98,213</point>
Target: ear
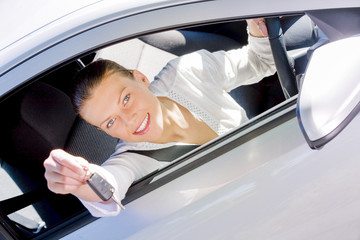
<point>139,76</point>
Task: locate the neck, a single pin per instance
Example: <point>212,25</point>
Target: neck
<point>181,126</point>
<point>176,124</point>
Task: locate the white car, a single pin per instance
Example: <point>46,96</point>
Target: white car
<point>290,172</point>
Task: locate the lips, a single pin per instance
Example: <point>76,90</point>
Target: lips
<point>144,126</point>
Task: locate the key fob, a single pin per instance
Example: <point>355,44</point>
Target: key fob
<point>100,186</point>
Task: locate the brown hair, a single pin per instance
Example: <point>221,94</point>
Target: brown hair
<point>90,77</point>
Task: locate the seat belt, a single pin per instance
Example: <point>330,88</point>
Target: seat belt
<point>30,225</point>
<point>10,206</point>
<point>168,154</point>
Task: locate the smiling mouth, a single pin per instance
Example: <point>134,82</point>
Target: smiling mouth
<point>144,126</point>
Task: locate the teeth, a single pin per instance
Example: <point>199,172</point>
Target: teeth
<point>143,124</point>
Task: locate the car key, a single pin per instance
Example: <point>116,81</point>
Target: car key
<point>101,187</point>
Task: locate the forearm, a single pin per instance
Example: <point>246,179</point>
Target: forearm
<point>261,49</point>
<point>259,44</point>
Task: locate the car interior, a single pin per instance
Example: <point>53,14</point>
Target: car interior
<point>40,116</point>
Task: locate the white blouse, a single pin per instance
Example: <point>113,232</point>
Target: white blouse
<point>200,82</point>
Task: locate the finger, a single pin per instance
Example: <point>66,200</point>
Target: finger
<point>60,188</point>
<point>75,164</point>
<point>260,22</point>
<point>257,27</point>
<point>53,167</point>
<point>65,164</point>
<point>55,177</point>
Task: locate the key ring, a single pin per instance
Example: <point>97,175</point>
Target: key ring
<point>87,174</point>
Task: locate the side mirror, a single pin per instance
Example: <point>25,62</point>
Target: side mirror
<point>329,97</point>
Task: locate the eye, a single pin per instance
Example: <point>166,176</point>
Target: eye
<point>126,99</point>
<point>110,123</point>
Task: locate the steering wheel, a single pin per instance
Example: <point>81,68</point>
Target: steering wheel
<point>284,64</point>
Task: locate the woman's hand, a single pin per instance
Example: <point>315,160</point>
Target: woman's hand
<point>65,173</point>
<point>257,27</point>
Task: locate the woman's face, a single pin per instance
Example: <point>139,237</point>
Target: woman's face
<point>125,108</point>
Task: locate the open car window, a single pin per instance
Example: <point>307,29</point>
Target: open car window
<point>41,117</point>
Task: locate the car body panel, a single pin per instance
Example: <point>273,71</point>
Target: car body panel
<point>60,21</point>
<point>21,21</point>
<point>292,193</point>
<point>270,187</point>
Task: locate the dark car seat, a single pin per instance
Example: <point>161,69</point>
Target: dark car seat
<point>299,34</point>
<point>39,119</point>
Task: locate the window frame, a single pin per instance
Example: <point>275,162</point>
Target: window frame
<point>204,154</point>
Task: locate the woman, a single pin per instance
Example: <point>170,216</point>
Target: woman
<point>186,103</point>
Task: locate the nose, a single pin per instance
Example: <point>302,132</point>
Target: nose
<point>128,117</point>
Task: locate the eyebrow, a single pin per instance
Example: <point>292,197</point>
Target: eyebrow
<point>118,102</point>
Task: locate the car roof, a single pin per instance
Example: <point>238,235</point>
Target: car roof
<point>31,30</point>
<point>29,24</point>
<point>21,18</point>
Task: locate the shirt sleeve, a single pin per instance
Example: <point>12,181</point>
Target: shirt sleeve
<point>243,66</point>
<point>120,171</point>
<point>227,69</point>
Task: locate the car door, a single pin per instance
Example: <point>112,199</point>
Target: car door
<point>271,148</point>
<point>262,181</point>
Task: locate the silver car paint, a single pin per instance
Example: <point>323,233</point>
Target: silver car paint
<point>273,187</point>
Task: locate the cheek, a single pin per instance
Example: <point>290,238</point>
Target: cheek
<point>117,131</point>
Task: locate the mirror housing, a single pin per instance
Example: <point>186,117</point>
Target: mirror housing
<point>329,97</point>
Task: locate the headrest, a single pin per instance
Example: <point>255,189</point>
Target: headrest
<point>39,123</point>
<point>49,113</point>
